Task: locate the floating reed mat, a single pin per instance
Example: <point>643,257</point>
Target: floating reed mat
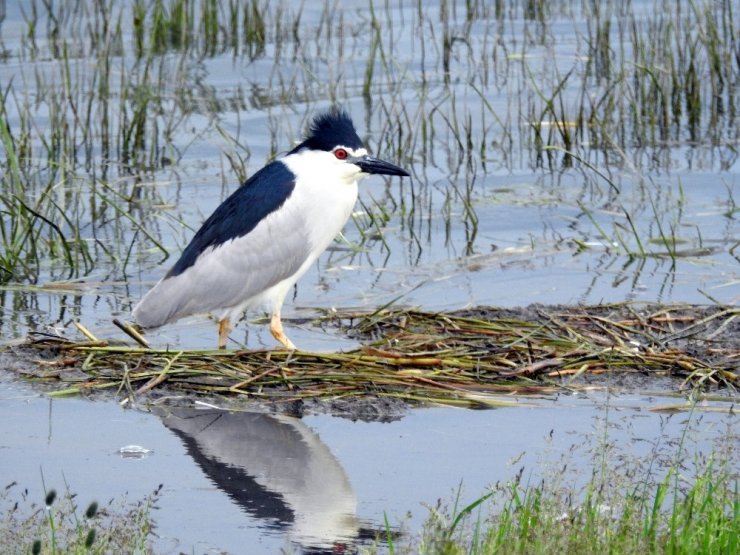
<point>467,358</point>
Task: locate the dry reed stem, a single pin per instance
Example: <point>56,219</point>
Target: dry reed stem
<point>462,358</point>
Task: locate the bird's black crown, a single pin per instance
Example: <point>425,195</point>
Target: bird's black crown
<point>330,130</point>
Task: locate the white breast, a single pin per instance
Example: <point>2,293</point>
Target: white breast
<point>324,196</point>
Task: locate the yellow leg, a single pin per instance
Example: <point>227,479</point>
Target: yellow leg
<point>224,329</point>
<point>276,328</point>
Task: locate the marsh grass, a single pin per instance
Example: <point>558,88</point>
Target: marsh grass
<point>58,525</point>
<point>473,359</point>
<point>453,92</point>
<point>680,508</point>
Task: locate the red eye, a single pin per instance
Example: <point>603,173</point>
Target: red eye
<point>341,154</point>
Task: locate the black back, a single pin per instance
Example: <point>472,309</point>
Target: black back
<point>261,194</point>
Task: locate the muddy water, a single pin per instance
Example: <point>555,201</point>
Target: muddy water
<point>503,228</point>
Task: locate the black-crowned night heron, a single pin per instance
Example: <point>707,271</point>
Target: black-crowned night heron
<point>263,238</point>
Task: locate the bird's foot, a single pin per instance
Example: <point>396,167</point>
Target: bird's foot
<point>276,329</point>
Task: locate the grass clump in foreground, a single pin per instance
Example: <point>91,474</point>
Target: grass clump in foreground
<point>629,505</point>
<point>58,526</point>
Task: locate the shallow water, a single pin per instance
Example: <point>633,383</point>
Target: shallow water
<point>256,482</point>
<point>501,223</point>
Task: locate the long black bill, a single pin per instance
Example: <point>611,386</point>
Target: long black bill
<point>368,164</point>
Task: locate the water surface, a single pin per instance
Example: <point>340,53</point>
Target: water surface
<point>496,213</point>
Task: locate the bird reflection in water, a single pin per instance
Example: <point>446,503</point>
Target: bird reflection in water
<point>279,471</point>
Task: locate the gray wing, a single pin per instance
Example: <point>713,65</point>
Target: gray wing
<point>232,273</point>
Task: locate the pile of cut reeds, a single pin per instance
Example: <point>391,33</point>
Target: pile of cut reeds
<point>469,358</point>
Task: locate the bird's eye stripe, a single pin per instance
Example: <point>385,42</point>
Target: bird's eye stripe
<point>341,154</point>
